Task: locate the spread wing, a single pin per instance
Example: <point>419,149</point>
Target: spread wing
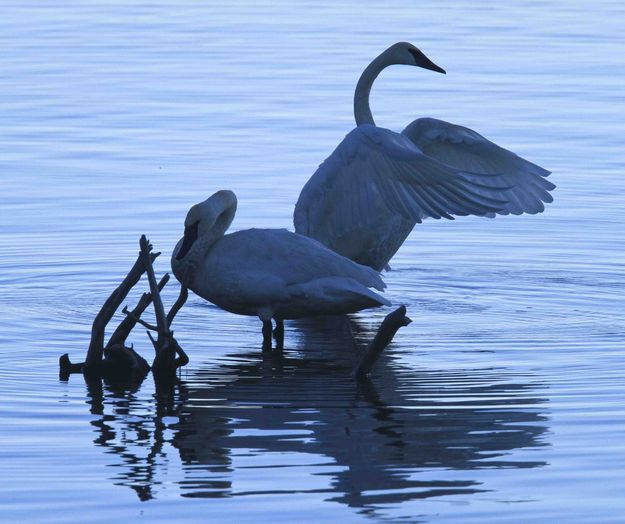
<point>464,149</point>
<point>375,169</point>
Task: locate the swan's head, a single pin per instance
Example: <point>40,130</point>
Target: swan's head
<point>407,54</point>
<point>204,224</point>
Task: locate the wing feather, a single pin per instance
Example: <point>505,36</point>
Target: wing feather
<point>374,168</point>
<point>433,169</point>
<point>463,149</point>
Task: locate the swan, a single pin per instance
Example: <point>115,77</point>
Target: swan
<point>367,196</point>
<point>269,273</point>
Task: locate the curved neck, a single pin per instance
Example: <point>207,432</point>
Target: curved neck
<point>195,257</point>
<point>362,111</point>
<point>217,217</point>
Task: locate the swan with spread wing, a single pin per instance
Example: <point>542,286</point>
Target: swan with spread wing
<point>367,196</point>
<point>270,273</point>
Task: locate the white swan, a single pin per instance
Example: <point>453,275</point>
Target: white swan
<point>364,200</point>
<point>269,273</point>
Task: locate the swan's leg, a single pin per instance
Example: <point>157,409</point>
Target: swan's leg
<point>266,335</point>
<point>350,332</point>
<point>278,334</point>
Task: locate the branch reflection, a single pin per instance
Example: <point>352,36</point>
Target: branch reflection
<point>295,422</point>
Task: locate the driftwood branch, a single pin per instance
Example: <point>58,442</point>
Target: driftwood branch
<point>96,345</point>
<point>166,347</point>
<point>137,320</point>
<point>120,335</point>
<point>182,298</point>
<point>159,310</point>
<point>117,361</point>
<point>383,337</point>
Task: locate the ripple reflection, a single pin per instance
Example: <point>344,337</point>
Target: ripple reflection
<point>300,421</point>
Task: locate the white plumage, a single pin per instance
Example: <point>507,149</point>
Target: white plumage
<point>269,273</point>
<point>364,200</point>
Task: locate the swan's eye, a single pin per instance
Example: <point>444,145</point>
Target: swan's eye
<point>423,61</point>
<point>190,236</point>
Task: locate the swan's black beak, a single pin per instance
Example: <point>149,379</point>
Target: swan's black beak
<point>423,61</point>
<point>190,236</point>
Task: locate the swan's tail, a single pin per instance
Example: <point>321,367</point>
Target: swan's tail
<point>339,295</point>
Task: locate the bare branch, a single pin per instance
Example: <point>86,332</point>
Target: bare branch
<point>159,310</point>
<point>120,335</point>
<point>180,301</point>
<point>121,362</point>
<point>183,359</point>
<point>383,337</point>
<point>138,320</point>
<point>96,345</point>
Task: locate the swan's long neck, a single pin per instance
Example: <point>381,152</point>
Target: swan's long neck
<point>362,111</point>
<point>215,217</point>
<point>196,256</point>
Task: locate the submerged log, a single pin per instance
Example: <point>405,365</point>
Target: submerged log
<point>96,345</point>
<point>382,338</point>
<point>169,355</point>
<point>115,360</point>
<point>120,335</point>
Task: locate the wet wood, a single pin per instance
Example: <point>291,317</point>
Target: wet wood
<point>96,344</point>
<point>120,335</point>
<point>116,360</point>
<point>169,355</point>
<point>382,338</point>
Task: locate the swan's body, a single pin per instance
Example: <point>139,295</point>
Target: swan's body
<point>274,273</point>
<point>364,200</point>
<point>269,273</point>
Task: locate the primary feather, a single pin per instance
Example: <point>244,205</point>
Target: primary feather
<point>364,200</point>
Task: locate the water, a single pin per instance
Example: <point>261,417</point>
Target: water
<point>502,402</point>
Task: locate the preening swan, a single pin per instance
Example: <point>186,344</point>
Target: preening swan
<point>364,200</point>
<point>269,273</point>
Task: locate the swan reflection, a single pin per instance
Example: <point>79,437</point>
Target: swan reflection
<point>287,423</point>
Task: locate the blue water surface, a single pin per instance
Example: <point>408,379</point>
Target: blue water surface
<point>504,400</point>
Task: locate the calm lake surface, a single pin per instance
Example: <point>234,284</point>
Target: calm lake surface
<point>504,400</point>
